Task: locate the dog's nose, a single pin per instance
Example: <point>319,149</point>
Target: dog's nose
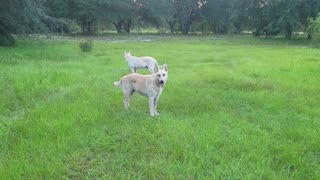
<point>161,82</point>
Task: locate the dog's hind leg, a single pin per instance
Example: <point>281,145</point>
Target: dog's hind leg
<point>151,105</point>
<point>151,69</point>
<point>126,99</point>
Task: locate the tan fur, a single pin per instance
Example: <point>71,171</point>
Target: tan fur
<point>146,85</point>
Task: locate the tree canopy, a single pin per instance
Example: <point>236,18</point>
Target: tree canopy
<point>21,17</point>
<point>261,17</point>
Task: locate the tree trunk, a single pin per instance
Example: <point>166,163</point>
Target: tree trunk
<point>119,29</point>
<point>171,26</point>
<point>186,27</point>
<point>83,27</point>
<point>309,36</point>
<point>289,30</point>
<point>127,25</point>
<point>98,28</point>
<point>89,27</point>
<point>118,25</point>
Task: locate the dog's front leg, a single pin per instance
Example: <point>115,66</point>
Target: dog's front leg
<point>155,102</point>
<point>151,105</point>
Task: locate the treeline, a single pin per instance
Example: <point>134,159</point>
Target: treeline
<point>261,17</point>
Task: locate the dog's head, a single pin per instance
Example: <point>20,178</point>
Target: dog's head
<point>162,75</point>
<point>127,54</point>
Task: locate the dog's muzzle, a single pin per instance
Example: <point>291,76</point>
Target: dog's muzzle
<point>161,83</point>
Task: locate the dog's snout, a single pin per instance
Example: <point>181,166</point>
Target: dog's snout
<point>161,82</point>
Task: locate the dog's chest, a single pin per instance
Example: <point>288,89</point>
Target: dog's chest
<point>153,91</point>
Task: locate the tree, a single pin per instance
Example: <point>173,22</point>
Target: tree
<point>186,11</point>
<point>217,14</point>
<point>288,16</point>
<point>239,15</point>
<point>161,11</point>
<point>59,10</point>
<point>308,9</point>
<point>21,17</point>
<point>119,13</point>
<point>85,11</point>
<point>271,17</point>
<point>263,15</point>
<point>314,28</point>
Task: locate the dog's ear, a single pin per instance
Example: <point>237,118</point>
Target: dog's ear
<point>159,67</point>
<point>165,66</point>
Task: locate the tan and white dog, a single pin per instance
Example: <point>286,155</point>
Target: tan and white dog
<point>146,85</point>
<point>140,62</point>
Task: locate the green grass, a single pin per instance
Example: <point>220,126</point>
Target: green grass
<point>233,107</point>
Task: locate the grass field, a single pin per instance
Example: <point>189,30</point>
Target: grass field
<point>233,107</point>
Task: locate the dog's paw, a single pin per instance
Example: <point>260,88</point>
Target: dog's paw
<point>156,114</point>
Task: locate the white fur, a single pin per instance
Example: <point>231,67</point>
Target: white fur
<point>140,62</point>
<point>146,85</point>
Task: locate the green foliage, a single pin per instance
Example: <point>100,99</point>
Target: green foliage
<point>160,12</point>
<point>69,25</point>
<point>85,12</point>
<point>217,14</point>
<point>7,40</point>
<point>22,17</point>
<point>288,16</point>
<point>27,16</point>
<point>201,25</point>
<point>314,30</point>
<point>262,17</point>
<point>186,12</point>
<point>86,45</point>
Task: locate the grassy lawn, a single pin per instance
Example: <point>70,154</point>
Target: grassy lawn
<point>233,107</point>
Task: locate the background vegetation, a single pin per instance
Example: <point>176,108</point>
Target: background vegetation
<point>261,17</point>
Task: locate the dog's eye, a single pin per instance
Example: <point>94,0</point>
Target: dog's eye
<point>159,75</point>
<point>164,74</point>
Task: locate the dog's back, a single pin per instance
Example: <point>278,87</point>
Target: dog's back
<point>140,62</point>
<point>135,82</point>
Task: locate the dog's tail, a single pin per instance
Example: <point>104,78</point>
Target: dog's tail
<point>118,84</point>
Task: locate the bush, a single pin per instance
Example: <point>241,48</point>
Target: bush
<point>86,45</point>
<point>314,30</point>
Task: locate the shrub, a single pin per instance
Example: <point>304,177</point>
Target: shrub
<point>86,45</point>
<point>314,30</point>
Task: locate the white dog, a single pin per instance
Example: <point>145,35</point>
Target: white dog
<point>146,85</point>
<point>140,62</point>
